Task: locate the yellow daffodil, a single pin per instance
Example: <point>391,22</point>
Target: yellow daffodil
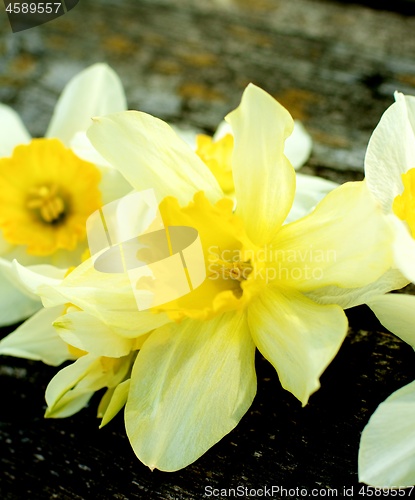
<point>216,152</point>
<point>185,369</point>
<point>47,192</point>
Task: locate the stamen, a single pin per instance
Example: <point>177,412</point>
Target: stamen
<point>47,202</point>
<point>238,270</point>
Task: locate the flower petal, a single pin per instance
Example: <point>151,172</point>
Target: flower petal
<point>351,297</point>
<point>32,277</point>
<point>190,386</point>
<point>37,339</point>
<point>88,333</point>
<point>309,191</point>
<point>403,248</point>
<point>115,400</point>
<point>299,337</point>
<point>72,387</point>
<point>298,145</point>
<point>396,311</point>
<point>107,296</point>
<point>12,131</point>
<point>15,304</point>
<point>150,155</point>
<point>387,446</point>
<point>391,151</point>
<point>95,91</point>
<point>345,241</point>
<point>264,178</point>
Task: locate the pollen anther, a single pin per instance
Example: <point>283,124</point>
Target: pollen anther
<point>47,201</point>
<point>238,271</point>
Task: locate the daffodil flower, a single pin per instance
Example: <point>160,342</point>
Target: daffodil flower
<point>390,175</point>
<point>387,448</point>
<point>216,152</point>
<point>47,192</point>
<point>188,372</point>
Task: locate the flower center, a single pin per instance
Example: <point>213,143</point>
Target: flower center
<point>47,203</point>
<point>217,155</point>
<point>231,268</point>
<point>46,195</point>
<point>238,271</point>
<point>404,204</point>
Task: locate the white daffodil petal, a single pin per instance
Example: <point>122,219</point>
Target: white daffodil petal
<point>391,151</point>
<point>223,129</point>
<point>12,131</point>
<point>37,339</point>
<point>82,147</point>
<point>264,178</point>
<point>150,155</point>
<point>345,241</point>
<point>190,385</point>
<point>95,91</point>
<point>88,333</point>
<point>310,190</point>
<point>118,398</point>
<point>299,337</point>
<point>396,311</point>
<point>298,145</point>
<point>387,446</point>
<point>15,305</point>
<point>351,297</point>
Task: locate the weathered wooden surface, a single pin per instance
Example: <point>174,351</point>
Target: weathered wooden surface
<point>335,66</point>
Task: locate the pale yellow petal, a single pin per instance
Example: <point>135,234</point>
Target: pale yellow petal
<point>37,339</point>
<point>396,311</point>
<point>31,278</point>
<point>191,384</point>
<point>88,333</point>
<point>117,399</point>
<point>351,297</point>
<point>403,248</point>
<point>95,91</point>
<point>107,296</point>
<point>346,241</point>
<point>264,178</point>
<point>150,155</point>
<point>387,446</point>
<point>299,337</point>
<point>73,386</point>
